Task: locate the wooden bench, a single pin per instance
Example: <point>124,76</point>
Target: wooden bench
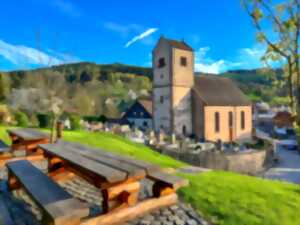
<point>27,139</point>
<point>118,178</point>
<point>58,206</point>
<point>4,148</point>
<point>5,218</point>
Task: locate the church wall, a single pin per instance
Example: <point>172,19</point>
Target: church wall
<point>247,132</point>
<point>224,133</point>
<point>182,110</point>
<point>161,76</point>
<point>183,75</point>
<point>161,111</point>
<point>198,116</point>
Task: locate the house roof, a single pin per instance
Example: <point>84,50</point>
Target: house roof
<point>147,104</point>
<point>219,91</point>
<point>178,44</point>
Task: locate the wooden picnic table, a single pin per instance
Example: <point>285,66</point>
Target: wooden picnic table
<point>27,139</point>
<point>118,178</point>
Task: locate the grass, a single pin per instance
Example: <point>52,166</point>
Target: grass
<point>224,198</point>
<point>227,198</point>
<point>115,144</point>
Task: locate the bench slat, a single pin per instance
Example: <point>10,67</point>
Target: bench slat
<point>108,173</point>
<point>153,172</point>
<point>28,134</point>
<point>97,155</point>
<point>59,207</point>
<point>4,147</point>
<point>137,163</point>
<point>173,181</point>
<point>33,179</point>
<point>5,218</point>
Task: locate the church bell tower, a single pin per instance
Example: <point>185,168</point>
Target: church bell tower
<point>173,80</point>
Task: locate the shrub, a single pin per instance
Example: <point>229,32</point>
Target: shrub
<point>75,122</point>
<point>102,119</point>
<point>44,120</point>
<point>21,119</point>
<point>91,119</point>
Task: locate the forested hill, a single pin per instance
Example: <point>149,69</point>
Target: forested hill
<point>108,89</point>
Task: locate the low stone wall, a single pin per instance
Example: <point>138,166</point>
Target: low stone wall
<point>247,162</point>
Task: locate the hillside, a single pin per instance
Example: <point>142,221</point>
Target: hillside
<point>223,198</point>
<point>92,89</point>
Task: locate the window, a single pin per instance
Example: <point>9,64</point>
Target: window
<point>230,119</point>
<point>183,61</point>
<point>184,130</point>
<point>161,76</point>
<point>142,114</point>
<point>161,99</point>
<point>145,124</point>
<point>217,122</point>
<point>161,62</point>
<point>242,120</point>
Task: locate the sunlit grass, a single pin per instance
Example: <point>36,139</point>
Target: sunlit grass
<point>222,197</point>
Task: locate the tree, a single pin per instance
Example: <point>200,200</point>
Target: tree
<point>21,119</point>
<point>283,40</point>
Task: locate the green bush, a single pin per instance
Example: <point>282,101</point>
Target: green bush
<point>44,120</point>
<point>102,119</point>
<point>75,122</point>
<point>21,119</point>
<point>91,119</point>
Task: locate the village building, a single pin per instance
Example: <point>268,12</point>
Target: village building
<point>210,107</point>
<point>139,115</point>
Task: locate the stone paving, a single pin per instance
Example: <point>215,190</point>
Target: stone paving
<point>25,212</point>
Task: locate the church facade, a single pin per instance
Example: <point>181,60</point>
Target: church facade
<point>210,107</point>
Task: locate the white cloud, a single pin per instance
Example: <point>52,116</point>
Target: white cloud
<point>122,29</point>
<point>251,57</point>
<point>21,55</point>
<point>141,36</point>
<point>246,58</point>
<point>67,7</point>
<point>205,64</point>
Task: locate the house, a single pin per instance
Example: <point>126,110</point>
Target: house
<point>207,106</point>
<point>139,114</point>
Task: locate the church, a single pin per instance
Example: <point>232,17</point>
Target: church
<point>210,107</point>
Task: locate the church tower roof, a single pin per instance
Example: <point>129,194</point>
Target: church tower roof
<point>178,44</point>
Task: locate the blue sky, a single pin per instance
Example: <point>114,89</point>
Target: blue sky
<point>37,33</point>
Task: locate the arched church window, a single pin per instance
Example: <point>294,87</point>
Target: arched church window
<point>184,130</point>
<point>161,99</point>
<point>217,122</point>
<point>161,62</point>
<point>242,120</point>
<point>230,119</point>
<point>183,61</point>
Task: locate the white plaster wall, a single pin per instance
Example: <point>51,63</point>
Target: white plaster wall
<point>140,123</point>
<point>182,106</point>
<point>161,76</point>
<point>161,113</point>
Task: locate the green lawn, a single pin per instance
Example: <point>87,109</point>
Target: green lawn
<point>115,144</point>
<point>231,199</point>
<point>222,197</point>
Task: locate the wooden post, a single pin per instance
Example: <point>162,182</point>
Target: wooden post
<point>59,130</point>
<point>124,194</point>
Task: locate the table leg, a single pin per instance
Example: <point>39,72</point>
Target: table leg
<point>160,189</point>
<point>121,195</point>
